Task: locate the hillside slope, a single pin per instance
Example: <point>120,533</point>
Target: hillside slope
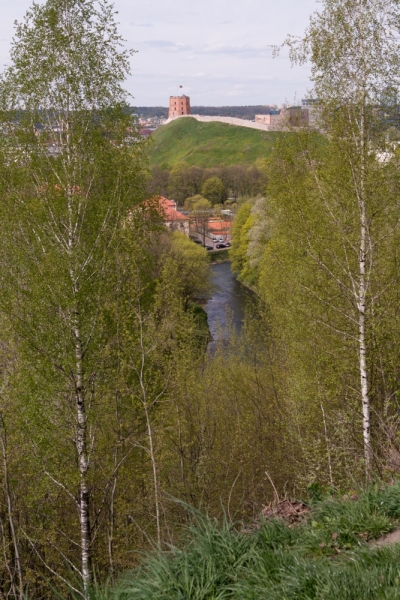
<point>329,550</point>
<point>209,144</point>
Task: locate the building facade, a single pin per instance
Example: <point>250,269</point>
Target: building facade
<point>294,116</point>
<point>311,105</point>
<point>178,106</point>
<point>173,219</point>
<point>270,118</point>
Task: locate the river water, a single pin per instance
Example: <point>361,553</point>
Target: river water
<point>226,304</point>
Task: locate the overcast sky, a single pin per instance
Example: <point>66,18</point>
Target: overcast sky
<point>218,50</point>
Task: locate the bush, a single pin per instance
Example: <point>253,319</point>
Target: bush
<point>325,558</point>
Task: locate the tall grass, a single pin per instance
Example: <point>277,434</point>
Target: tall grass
<point>328,557</point>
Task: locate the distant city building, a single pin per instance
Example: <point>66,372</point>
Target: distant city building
<point>145,132</point>
<point>178,106</point>
<point>297,116</point>
<point>220,229</point>
<point>310,105</point>
<point>294,116</point>
<point>269,119</point>
<point>173,219</point>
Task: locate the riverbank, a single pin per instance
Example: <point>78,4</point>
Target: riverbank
<point>226,306</point>
<point>219,256</point>
<point>248,286</point>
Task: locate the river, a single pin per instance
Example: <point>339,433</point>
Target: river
<point>229,294</point>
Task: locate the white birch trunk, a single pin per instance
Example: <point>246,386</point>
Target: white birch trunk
<point>362,287</point>
<point>365,400</point>
<point>83,462</point>
<point>155,474</point>
<point>146,406</point>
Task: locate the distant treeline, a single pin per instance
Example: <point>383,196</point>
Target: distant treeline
<point>184,181</point>
<point>240,112</point>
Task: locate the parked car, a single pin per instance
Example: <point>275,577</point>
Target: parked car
<point>227,244</point>
<point>208,247</point>
<point>218,246</point>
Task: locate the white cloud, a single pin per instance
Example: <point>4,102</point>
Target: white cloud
<point>241,51</point>
<point>142,24</point>
<point>219,50</point>
<point>166,46</point>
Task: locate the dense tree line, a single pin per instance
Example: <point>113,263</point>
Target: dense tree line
<point>95,305</point>
<point>184,181</point>
<point>113,414</point>
<point>322,248</point>
<point>110,407</point>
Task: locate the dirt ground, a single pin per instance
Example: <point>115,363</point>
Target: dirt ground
<point>386,540</point>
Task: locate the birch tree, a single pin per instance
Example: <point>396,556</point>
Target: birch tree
<point>73,171</point>
<point>353,46</point>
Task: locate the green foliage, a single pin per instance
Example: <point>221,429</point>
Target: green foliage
<point>213,190</point>
<point>300,249</point>
<point>241,226</point>
<point>55,58</point>
<point>354,52</point>
<point>326,557</point>
<point>219,256</point>
<point>186,269</point>
<point>184,181</point>
<point>72,175</point>
<point>201,205</point>
<point>189,202</point>
<point>200,322</point>
<point>355,68</point>
<point>99,310</point>
<point>209,144</point>
<point>205,572</point>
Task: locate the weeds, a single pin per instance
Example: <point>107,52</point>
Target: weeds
<point>325,558</point>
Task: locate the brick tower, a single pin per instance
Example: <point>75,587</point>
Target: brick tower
<point>178,106</point>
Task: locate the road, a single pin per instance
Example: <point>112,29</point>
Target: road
<point>209,241</point>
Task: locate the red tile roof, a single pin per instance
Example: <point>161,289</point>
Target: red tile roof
<point>169,210</point>
<point>219,225</point>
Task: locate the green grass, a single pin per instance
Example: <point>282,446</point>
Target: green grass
<point>209,144</point>
<point>327,558</point>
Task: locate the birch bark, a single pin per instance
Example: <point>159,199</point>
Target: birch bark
<point>64,93</point>
<point>362,290</point>
<point>83,462</point>
<point>354,50</point>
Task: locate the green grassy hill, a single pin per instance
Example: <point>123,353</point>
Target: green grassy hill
<point>209,144</point>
